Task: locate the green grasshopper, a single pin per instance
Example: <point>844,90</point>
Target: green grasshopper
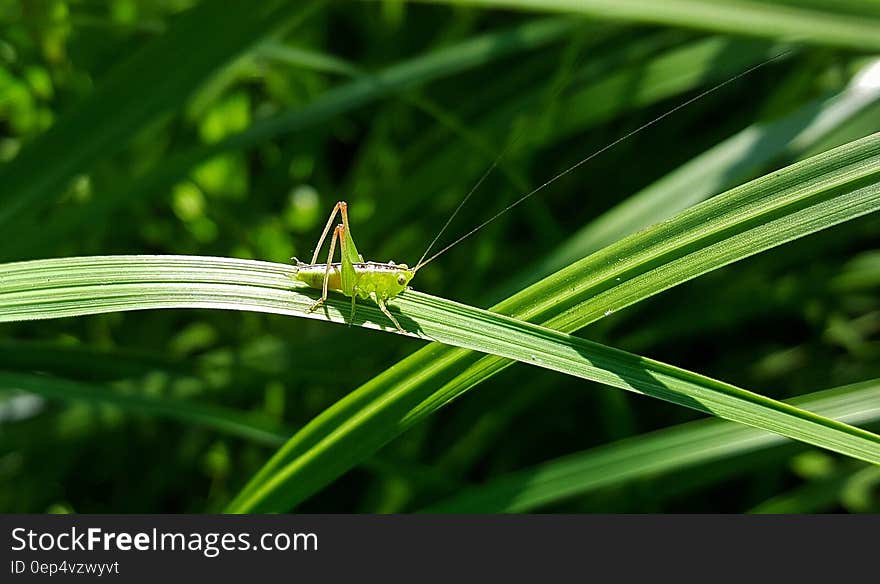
<point>355,277</point>
<point>352,275</point>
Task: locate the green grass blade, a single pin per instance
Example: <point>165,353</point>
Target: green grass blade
<point>73,360</point>
<point>222,419</point>
<point>861,273</point>
<point>422,383</point>
<point>444,62</point>
<point>808,196</point>
<point>718,168</point>
<point>655,72</point>
<point>820,495</point>
<point>741,17</point>
<point>305,58</point>
<point>650,455</point>
<point>79,286</point>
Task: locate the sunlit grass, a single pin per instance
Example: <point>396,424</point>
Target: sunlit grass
<point>144,177</point>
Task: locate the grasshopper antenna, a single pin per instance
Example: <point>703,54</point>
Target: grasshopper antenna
<point>474,188</point>
<point>583,161</point>
<point>482,178</point>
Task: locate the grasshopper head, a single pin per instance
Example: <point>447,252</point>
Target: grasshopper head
<point>402,277</point>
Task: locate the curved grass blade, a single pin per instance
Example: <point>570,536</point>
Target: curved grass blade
<point>860,273</point>
<point>820,495</point>
<point>742,17</point>
<point>97,364</point>
<point>804,198</point>
<point>79,286</point>
<point>316,61</point>
<point>650,455</point>
<point>252,427</point>
<point>718,168</point>
<point>266,359</point>
<point>801,199</point>
<point>222,419</point>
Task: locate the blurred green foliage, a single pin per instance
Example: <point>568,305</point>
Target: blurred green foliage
<point>398,109</point>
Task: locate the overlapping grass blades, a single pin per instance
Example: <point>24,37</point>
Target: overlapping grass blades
<point>650,455</point>
<point>801,199</point>
<point>743,17</point>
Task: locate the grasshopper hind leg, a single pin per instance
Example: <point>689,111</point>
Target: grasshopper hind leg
<point>323,298</point>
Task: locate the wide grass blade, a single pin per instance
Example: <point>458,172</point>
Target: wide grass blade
<point>806,197</point>
<point>716,169</point>
<point>742,17</point>
<point>650,455</point>
<point>79,286</point>
<point>225,420</point>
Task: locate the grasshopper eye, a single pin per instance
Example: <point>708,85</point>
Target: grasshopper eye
<point>401,279</point>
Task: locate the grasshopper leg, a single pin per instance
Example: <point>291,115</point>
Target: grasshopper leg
<point>348,256</point>
<point>336,208</point>
<point>384,308</point>
<point>323,298</point>
<point>353,303</point>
